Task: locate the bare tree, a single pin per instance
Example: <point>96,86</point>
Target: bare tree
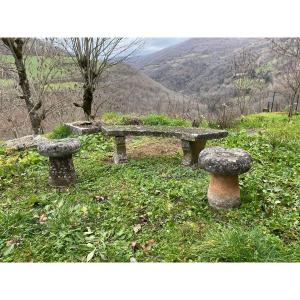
<point>16,47</point>
<point>36,66</point>
<point>286,47</point>
<point>93,56</point>
<point>246,79</point>
<point>288,52</point>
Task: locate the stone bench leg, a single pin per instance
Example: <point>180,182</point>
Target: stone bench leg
<point>62,171</point>
<point>120,155</point>
<point>191,151</point>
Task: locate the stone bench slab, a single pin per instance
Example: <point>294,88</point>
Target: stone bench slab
<point>193,140</point>
<point>188,134</point>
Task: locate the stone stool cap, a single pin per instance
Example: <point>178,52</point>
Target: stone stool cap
<point>219,160</point>
<point>58,148</point>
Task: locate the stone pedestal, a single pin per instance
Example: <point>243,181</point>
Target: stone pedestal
<point>62,171</point>
<point>84,127</point>
<point>224,165</point>
<point>223,191</point>
<point>191,151</point>
<point>120,155</point>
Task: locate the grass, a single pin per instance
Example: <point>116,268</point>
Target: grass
<point>153,209</point>
<point>59,132</point>
<point>34,66</point>
<point>161,119</point>
<point>6,83</point>
<point>150,119</point>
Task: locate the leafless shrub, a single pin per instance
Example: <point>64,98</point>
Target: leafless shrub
<point>288,52</point>
<point>223,117</point>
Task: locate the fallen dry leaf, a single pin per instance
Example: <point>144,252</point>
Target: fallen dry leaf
<point>135,245</point>
<point>148,244</point>
<point>137,228</point>
<point>143,219</point>
<point>43,217</point>
<point>100,198</point>
<point>13,241</point>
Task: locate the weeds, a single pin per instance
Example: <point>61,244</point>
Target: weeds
<point>152,208</point>
<point>60,132</point>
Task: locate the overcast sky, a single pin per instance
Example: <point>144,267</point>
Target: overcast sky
<point>156,44</point>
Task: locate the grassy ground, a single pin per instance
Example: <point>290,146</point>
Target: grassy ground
<point>34,66</point>
<point>153,209</point>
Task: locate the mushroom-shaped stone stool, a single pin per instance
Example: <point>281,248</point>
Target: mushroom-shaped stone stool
<point>224,165</point>
<point>62,171</point>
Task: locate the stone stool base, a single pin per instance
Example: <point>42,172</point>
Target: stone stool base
<point>223,191</point>
<point>62,171</point>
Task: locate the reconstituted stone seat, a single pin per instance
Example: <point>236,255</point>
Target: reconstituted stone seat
<point>62,171</point>
<point>224,165</point>
<point>193,139</point>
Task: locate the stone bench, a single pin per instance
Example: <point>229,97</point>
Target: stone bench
<point>193,140</point>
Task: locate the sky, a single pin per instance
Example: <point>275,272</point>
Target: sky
<point>155,44</point>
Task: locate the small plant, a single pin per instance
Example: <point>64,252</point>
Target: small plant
<point>60,132</point>
<point>112,118</point>
<point>150,119</point>
<point>118,119</point>
<point>223,117</point>
<point>131,120</point>
<point>162,119</point>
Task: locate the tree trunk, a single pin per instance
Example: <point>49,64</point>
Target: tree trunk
<point>297,104</point>
<point>32,108</point>
<point>16,47</point>
<point>291,106</point>
<point>87,102</point>
<point>273,101</point>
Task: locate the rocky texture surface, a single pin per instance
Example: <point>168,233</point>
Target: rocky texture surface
<point>61,171</point>
<point>84,127</point>
<point>190,134</point>
<point>120,155</point>
<point>58,148</point>
<point>191,151</point>
<point>219,160</point>
<point>192,139</point>
<point>24,142</point>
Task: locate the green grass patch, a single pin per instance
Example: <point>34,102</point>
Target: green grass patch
<point>162,119</point>
<point>59,132</point>
<point>68,85</point>
<point>150,119</point>
<point>113,118</point>
<point>6,83</point>
<point>152,208</point>
<point>34,66</point>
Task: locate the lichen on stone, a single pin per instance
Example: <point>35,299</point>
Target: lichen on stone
<point>219,160</point>
<point>58,148</point>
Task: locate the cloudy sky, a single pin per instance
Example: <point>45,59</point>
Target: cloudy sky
<point>156,44</point>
